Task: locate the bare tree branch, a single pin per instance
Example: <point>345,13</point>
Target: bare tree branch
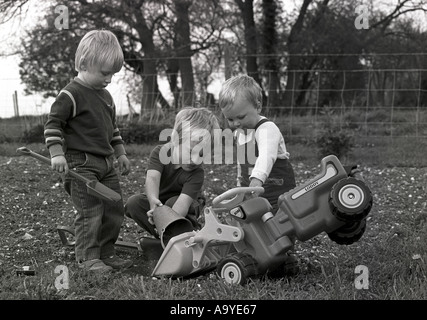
<point>11,9</point>
<point>399,10</point>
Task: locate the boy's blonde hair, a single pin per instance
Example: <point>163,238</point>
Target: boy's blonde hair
<point>192,119</point>
<point>241,85</point>
<point>99,48</point>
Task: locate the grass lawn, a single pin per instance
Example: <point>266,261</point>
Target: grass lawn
<point>393,248</point>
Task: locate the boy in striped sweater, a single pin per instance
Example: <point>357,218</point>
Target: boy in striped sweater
<point>81,134</point>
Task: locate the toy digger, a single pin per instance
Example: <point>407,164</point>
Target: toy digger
<point>254,240</point>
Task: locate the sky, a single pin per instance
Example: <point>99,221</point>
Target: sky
<point>10,33</point>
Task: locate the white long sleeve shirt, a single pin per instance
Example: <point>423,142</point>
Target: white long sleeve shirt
<point>271,146</point>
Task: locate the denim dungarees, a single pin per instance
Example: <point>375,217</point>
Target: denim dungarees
<point>281,178</point>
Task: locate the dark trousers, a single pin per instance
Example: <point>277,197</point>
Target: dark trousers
<point>138,205</point>
<point>280,181</point>
<point>97,223</point>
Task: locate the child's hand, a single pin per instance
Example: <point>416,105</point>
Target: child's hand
<point>59,164</point>
<point>124,165</point>
<point>255,183</point>
<point>156,204</point>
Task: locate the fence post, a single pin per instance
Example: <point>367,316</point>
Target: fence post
<point>367,101</point>
<point>316,108</point>
<point>392,105</point>
<point>292,103</point>
<point>15,104</point>
<point>417,114</point>
<point>342,99</point>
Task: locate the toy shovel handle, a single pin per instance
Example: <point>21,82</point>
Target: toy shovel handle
<point>24,151</point>
<point>233,197</point>
<point>94,187</point>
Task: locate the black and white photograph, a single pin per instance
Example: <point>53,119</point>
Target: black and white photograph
<point>215,157</point>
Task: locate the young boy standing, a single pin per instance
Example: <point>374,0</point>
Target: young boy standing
<point>175,174</point>
<point>266,159</point>
<point>82,135</point>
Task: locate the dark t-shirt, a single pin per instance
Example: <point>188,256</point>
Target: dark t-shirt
<point>174,181</point>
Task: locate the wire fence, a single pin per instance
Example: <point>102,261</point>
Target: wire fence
<point>386,103</point>
<point>366,100</point>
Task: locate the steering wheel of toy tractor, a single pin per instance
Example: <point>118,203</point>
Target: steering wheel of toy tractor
<point>233,197</point>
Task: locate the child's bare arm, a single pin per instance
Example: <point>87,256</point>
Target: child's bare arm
<point>182,204</point>
<point>152,184</point>
<point>268,141</point>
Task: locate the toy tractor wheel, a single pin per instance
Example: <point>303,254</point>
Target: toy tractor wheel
<point>236,268</point>
<point>350,200</point>
<point>348,233</point>
<point>289,267</point>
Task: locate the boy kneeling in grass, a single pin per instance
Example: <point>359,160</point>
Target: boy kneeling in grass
<point>175,174</point>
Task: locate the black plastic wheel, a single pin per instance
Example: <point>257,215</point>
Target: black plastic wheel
<point>290,267</point>
<point>348,233</point>
<point>236,268</point>
<point>350,200</point>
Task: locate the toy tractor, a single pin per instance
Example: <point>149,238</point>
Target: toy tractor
<point>254,240</point>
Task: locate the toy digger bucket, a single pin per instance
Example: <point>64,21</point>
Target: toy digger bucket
<point>197,251</point>
<point>94,187</point>
<point>177,258</point>
<point>169,223</point>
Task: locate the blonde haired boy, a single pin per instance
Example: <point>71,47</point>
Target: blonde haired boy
<point>82,135</point>
<point>265,160</point>
<point>175,173</point>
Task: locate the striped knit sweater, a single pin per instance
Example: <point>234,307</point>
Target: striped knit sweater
<point>83,119</point>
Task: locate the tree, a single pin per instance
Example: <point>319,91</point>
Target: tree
<point>11,13</point>
<point>183,50</point>
<point>294,46</point>
<point>310,35</point>
<point>48,58</point>
<point>184,40</point>
<point>12,9</point>
<point>393,60</point>
<point>139,26</point>
<point>269,45</point>
<point>44,68</point>
<point>134,26</point>
<point>250,30</point>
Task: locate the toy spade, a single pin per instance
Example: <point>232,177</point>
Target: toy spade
<point>94,187</point>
